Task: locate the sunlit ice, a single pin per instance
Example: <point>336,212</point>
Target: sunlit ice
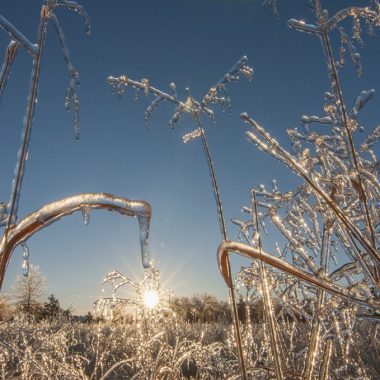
<point>151,299</point>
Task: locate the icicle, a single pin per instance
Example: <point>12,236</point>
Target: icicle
<point>71,96</point>
<point>25,260</point>
<point>152,107</point>
<point>137,95</point>
<point>144,234</point>
<point>173,90</point>
<point>174,120</point>
<point>360,101</point>
<point>86,215</point>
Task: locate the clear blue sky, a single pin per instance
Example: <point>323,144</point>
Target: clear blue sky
<point>189,42</point>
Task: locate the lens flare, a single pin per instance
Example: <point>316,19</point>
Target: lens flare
<point>151,299</point>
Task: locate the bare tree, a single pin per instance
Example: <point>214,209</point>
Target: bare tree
<point>6,309</point>
<point>27,291</point>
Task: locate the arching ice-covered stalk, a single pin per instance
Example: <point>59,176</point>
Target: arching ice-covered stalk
<point>245,250</point>
<point>48,214</point>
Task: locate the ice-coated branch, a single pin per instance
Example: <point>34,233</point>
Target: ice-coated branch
<point>275,149</point>
<point>303,27</point>
<point>16,35</point>
<point>10,214</point>
<point>50,213</point>
<point>228,247</point>
<point>75,7</point>
<point>190,105</point>
<point>240,67</point>
<point>10,55</point>
<point>372,15</point>
<point>326,25</point>
<point>361,100</point>
<point>119,84</point>
<point>27,125</point>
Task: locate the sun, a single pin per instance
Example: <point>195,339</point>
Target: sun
<point>150,299</point>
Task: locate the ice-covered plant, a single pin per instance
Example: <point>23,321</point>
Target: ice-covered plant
<point>217,94</point>
<point>18,231</point>
<point>326,268</point>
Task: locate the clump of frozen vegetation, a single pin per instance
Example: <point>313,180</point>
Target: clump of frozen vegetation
<point>217,94</point>
<point>309,310</point>
<point>324,273</point>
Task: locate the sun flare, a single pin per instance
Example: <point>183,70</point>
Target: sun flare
<point>150,299</point>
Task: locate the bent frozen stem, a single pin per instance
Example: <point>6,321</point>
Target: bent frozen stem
<point>50,213</point>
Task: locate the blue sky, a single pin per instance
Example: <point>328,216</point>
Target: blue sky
<point>189,42</point>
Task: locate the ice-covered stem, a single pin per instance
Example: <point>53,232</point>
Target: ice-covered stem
<point>194,109</point>
<point>75,7</point>
<point>323,28</point>
<point>188,106</point>
<point>50,213</point>
<point>314,340</point>
<point>268,307</point>
<point>370,14</point>
<point>10,55</point>
<point>215,187</point>
<point>46,14</point>
<point>272,147</point>
<point>240,67</point>
<point>119,84</point>
<point>228,247</point>
<point>223,231</point>
<point>324,370</point>
<point>16,35</point>
<point>27,124</point>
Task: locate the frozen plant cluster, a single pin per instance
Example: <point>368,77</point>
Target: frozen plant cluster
<point>318,291</point>
<point>324,273</point>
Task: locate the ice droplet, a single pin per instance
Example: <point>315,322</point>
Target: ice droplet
<point>25,268</point>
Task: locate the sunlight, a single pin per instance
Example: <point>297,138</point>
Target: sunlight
<point>151,299</point>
